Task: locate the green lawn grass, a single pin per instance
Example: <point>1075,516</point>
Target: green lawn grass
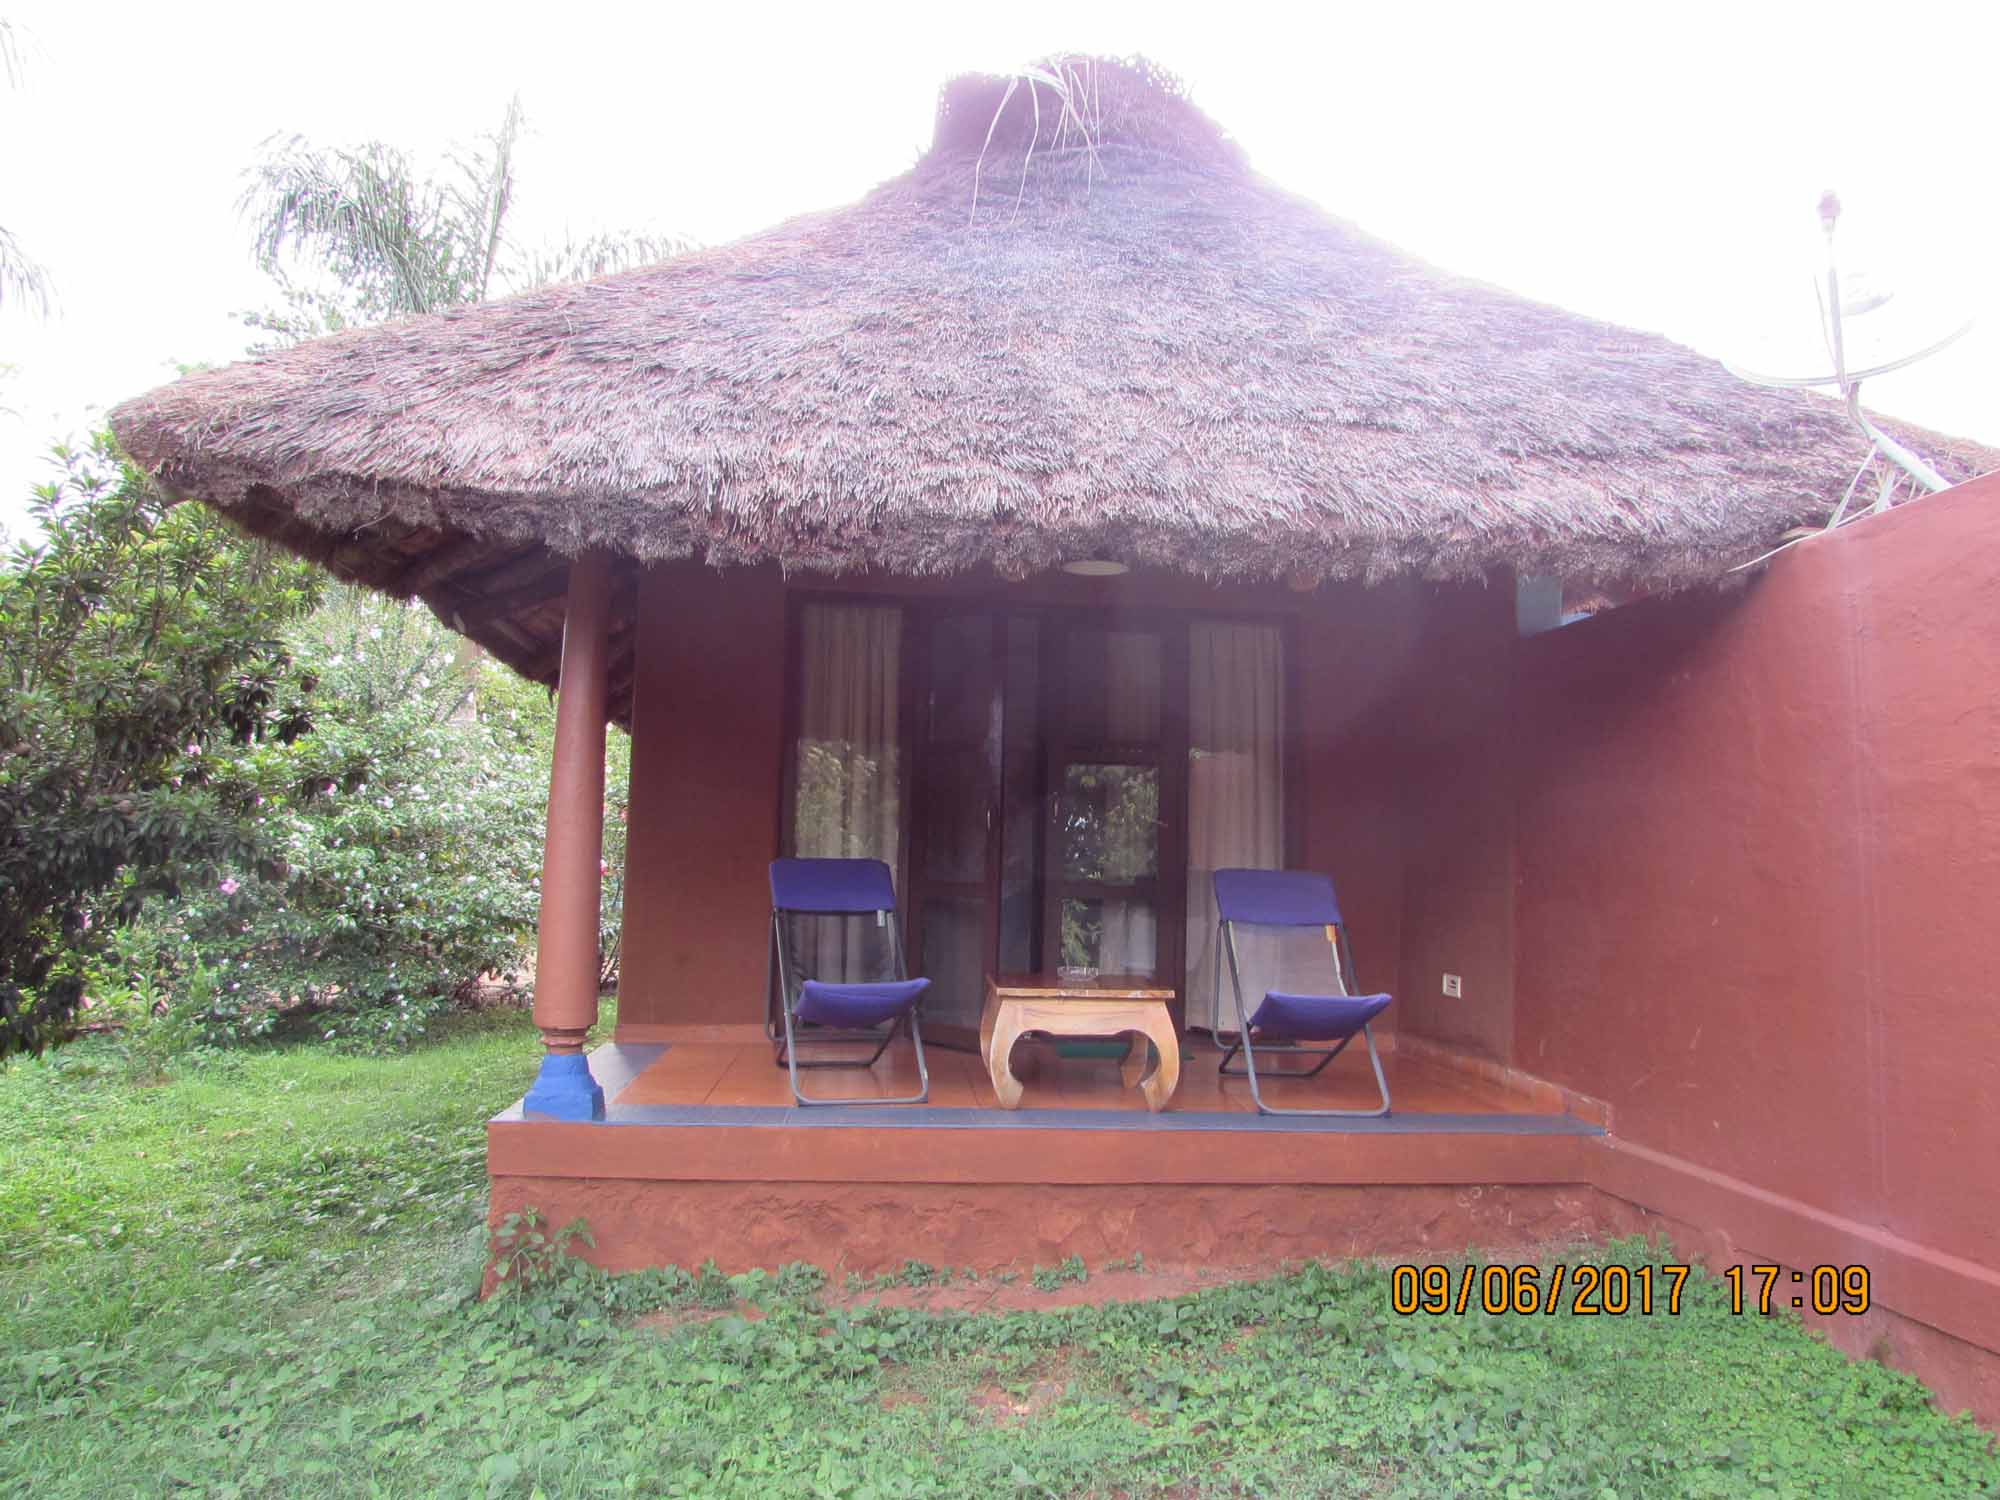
<point>254,1280</point>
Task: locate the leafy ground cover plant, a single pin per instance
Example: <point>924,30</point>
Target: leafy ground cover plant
<point>263,1289</point>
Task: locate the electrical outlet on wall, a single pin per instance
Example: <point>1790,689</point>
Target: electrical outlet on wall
<point>1453,986</point>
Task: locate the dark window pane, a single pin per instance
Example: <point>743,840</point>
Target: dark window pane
<point>1021,770</point>
<point>1108,822</point>
<point>1113,687</point>
<point>961,706</point>
<point>955,831</point>
<point>954,937</point>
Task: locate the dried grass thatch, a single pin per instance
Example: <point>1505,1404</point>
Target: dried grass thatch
<point>1079,326</point>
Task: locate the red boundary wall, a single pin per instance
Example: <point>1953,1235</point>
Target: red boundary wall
<point>1731,864</point>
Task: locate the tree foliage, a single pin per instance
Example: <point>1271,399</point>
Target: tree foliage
<point>400,845</point>
<point>375,238</point>
<point>160,677</point>
<point>137,639</point>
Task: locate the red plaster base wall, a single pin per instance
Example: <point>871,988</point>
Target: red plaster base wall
<point>1961,1376</point>
<point>1757,858</point>
<point>873,1227</point>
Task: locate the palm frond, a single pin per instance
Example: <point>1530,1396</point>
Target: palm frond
<point>378,227</point>
<point>487,193</point>
<point>13,54</point>
<point>21,278</point>
<point>389,242</point>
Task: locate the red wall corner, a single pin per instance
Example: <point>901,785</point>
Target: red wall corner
<point>704,807</point>
<point>1758,865</point>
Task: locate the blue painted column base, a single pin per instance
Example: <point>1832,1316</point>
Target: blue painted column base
<point>564,1089</point>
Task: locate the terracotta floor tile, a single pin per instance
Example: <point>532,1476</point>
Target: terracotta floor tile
<point>725,1074</point>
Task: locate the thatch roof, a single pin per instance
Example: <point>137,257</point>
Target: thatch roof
<point>1066,332</point>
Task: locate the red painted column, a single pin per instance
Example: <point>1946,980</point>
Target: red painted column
<point>572,878</point>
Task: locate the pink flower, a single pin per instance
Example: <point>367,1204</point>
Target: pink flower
<point>228,887</point>
<point>193,748</point>
<point>603,868</point>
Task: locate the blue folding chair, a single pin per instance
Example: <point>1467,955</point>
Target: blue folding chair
<point>850,1013</point>
<point>1284,1023</point>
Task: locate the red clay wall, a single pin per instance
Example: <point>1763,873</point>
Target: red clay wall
<point>1758,871</point>
<point>1455,760</point>
<point>708,756</point>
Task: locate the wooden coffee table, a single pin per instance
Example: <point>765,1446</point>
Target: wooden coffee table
<point>1105,1006</point>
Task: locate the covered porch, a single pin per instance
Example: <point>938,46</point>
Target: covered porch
<point>702,1154</point>
<point>680,1139</point>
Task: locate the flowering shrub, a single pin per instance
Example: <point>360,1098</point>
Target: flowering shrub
<point>518,712</point>
<point>399,844</point>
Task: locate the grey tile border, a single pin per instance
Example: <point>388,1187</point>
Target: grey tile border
<point>928,1117</point>
<point>614,1066</point>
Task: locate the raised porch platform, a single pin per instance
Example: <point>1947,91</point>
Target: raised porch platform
<point>702,1154</point>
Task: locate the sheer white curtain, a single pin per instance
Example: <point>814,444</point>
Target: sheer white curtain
<point>847,785</point>
<point>1236,783</point>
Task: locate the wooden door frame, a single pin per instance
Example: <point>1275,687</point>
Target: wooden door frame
<point>920,621</point>
<point>918,611</point>
<point>1168,888</point>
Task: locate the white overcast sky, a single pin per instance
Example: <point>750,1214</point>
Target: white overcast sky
<point>1654,165</point>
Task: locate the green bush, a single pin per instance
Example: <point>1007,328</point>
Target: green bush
<point>137,640</point>
<point>399,845</point>
<point>332,814</point>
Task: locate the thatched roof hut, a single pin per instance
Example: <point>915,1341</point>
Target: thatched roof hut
<point>1079,326</point>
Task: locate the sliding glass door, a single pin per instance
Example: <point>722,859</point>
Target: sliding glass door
<point>955,861</point>
<point>1114,746</point>
<point>1054,787</point>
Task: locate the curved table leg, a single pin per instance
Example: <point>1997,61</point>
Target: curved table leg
<point>1137,1063</point>
<point>1158,1086</point>
<point>999,1039</point>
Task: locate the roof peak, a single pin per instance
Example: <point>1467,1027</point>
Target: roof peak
<point>1068,102</point>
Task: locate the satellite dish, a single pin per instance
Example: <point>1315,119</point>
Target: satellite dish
<point>1861,346</point>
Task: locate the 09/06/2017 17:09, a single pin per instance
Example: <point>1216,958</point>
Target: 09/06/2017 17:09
<point>1614,1291</point>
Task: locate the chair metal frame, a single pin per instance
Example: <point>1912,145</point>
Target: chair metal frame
<point>778,970</point>
<point>1345,985</point>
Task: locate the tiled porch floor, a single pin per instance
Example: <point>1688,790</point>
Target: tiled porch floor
<point>743,1075</point>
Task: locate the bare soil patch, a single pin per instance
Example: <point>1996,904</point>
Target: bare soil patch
<point>673,1319</point>
<point>1028,1395</point>
<point>991,1294</point>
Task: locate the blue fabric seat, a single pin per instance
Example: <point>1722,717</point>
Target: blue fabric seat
<point>1313,1018</point>
<point>1285,1023</point>
<point>856,1004</point>
<point>845,1012</point>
